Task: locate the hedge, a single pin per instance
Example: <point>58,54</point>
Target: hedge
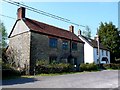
<point>54,68</point>
<point>8,71</point>
<point>112,66</point>
<point>88,67</point>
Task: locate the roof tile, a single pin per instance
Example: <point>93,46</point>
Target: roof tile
<point>50,30</point>
<point>93,43</point>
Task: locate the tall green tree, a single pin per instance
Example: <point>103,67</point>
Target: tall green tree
<point>109,36</point>
<point>4,34</point>
<point>87,32</point>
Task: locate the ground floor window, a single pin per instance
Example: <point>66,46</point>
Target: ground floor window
<point>52,59</point>
<point>72,60</point>
<point>63,60</point>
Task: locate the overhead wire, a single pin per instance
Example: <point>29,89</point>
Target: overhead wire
<point>42,12</point>
<point>7,16</point>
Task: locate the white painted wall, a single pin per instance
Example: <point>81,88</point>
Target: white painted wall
<point>109,56</point>
<point>95,55</point>
<point>20,27</point>
<point>101,56</point>
<point>90,53</point>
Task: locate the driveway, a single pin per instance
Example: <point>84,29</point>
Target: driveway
<point>101,79</point>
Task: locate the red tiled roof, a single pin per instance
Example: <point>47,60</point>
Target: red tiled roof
<point>50,30</point>
<point>93,43</point>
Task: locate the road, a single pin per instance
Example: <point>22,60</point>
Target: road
<point>101,79</point>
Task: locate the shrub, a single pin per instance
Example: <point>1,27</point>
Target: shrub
<point>41,62</point>
<point>8,71</point>
<point>106,66</point>
<point>112,66</point>
<point>88,67</point>
<point>53,68</point>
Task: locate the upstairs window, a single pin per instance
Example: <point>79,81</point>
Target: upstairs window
<point>53,42</point>
<point>65,45</point>
<point>74,46</point>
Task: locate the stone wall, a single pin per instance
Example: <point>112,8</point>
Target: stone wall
<point>40,50</point>
<point>19,51</point>
<point>27,48</point>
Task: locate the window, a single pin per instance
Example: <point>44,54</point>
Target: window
<point>106,53</point>
<point>97,51</point>
<point>63,60</point>
<point>52,59</point>
<point>53,42</point>
<point>65,45</point>
<point>102,52</point>
<point>74,46</point>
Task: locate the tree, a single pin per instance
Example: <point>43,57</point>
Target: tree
<point>3,43</point>
<point>109,36</point>
<point>87,32</point>
<point>4,34</point>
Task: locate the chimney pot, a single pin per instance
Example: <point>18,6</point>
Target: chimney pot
<point>79,32</point>
<point>21,13</point>
<point>95,38</point>
<point>71,29</point>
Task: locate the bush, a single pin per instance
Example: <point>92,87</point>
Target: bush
<point>106,66</point>
<point>88,67</point>
<point>53,68</point>
<point>8,71</point>
<point>112,66</point>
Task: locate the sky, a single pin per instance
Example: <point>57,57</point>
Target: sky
<point>83,13</point>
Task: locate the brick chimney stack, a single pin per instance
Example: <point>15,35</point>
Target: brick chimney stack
<point>21,13</point>
<point>71,29</point>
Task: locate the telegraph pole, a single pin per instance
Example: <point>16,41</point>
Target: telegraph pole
<point>98,44</point>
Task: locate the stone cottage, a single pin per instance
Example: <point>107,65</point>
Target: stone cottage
<point>31,40</point>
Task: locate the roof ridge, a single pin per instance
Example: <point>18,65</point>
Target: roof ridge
<point>48,29</point>
<point>94,43</point>
<point>50,25</point>
<point>87,37</point>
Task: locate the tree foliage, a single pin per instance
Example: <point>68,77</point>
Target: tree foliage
<point>3,43</point>
<point>87,32</point>
<point>109,36</point>
<point>4,34</point>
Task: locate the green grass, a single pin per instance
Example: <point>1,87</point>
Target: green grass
<point>32,76</point>
<point>55,74</point>
<point>112,69</point>
<point>51,74</point>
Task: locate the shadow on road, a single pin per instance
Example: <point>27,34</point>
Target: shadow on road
<point>18,81</point>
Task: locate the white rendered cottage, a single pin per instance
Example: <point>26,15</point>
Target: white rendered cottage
<point>91,51</point>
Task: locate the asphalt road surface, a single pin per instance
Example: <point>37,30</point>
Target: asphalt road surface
<point>101,79</point>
